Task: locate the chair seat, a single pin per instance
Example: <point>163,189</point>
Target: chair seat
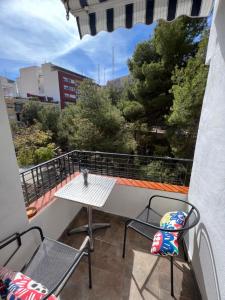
<point>147,215</point>
<point>51,262</point>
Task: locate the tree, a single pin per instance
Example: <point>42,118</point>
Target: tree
<point>30,112</point>
<point>46,114</point>
<point>94,123</point>
<point>33,145</point>
<point>113,93</point>
<point>188,90</point>
<point>153,62</point>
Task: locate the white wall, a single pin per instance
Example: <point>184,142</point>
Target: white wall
<point>129,201</point>
<point>29,81</point>
<point>51,82</point>
<point>56,217</point>
<point>207,242</point>
<point>12,209</point>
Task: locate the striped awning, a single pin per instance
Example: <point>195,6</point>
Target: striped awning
<point>94,16</point>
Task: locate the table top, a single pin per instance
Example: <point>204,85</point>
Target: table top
<point>94,194</point>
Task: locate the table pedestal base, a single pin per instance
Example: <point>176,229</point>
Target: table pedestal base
<point>85,228</point>
<point>89,228</point>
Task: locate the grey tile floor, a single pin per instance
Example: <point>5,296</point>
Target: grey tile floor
<point>139,276</point>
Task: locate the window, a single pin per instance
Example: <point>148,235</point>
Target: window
<point>70,95</point>
<point>69,88</point>
<point>68,80</point>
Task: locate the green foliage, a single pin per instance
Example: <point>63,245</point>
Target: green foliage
<point>33,145</point>
<point>46,114</point>
<point>188,91</point>
<point>153,62</point>
<point>131,110</point>
<point>94,123</point>
<point>158,171</point>
<point>30,112</point>
<point>44,153</point>
<point>114,94</point>
<point>168,71</point>
<point>177,41</point>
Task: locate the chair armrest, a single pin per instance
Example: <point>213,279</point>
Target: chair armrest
<point>165,197</point>
<point>85,244</point>
<point>10,239</point>
<point>17,236</point>
<point>33,228</point>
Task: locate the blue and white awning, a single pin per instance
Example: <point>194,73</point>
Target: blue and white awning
<point>94,16</point>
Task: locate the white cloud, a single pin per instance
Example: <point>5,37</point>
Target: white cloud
<point>35,30</point>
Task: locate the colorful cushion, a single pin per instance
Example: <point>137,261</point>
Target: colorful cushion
<point>166,243</point>
<point>17,286</point>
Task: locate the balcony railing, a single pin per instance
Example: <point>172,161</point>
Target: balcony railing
<point>39,179</point>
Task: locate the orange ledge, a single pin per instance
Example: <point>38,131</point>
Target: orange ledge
<point>48,197</point>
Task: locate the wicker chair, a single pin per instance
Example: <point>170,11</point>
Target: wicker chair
<point>147,223</point>
<point>53,262</point>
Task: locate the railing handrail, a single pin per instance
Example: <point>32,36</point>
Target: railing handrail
<point>108,153</point>
<point>45,162</point>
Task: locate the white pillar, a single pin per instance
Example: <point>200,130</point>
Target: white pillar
<point>207,187</point>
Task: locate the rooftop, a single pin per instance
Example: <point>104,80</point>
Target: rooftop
<point>139,276</point>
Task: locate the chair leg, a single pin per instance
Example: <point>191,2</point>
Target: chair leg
<point>184,250</point>
<point>171,274</point>
<point>124,240</point>
<point>89,269</point>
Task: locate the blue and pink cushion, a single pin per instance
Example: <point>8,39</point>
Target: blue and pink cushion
<point>164,242</point>
<point>17,286</point>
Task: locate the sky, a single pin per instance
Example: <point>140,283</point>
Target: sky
<point>36,31</point>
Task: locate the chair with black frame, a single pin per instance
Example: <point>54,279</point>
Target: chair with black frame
<point>52,263</point>
<point>148,224</point>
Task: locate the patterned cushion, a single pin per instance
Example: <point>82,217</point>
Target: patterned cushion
<point>17,286</point>
<point>166,243</point>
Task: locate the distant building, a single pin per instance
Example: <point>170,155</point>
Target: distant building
<point>119,82</point>
<point>14,108</point>
<point>8,87</point>
<point>49,83</point>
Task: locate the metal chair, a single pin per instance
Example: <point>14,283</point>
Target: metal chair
<point>53,262</point>
<point>147,223</point>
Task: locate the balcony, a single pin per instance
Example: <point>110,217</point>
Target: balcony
<point>165,174</point>
<point>140,275</point>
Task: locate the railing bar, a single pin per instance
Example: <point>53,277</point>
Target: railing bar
<point>32,173</point>
<point>25,187</point>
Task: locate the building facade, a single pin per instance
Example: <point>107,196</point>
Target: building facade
<point>49,83</point>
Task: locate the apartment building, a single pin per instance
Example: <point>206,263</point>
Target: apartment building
<point>49,83</point>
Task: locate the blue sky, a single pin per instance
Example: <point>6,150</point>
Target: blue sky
<point>36,31</point>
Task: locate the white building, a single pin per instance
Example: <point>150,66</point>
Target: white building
<point>30,82</point>
<point>49,82</point>
<point>8,86</point>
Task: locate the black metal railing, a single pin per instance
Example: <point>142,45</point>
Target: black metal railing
<point>36,181</point>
